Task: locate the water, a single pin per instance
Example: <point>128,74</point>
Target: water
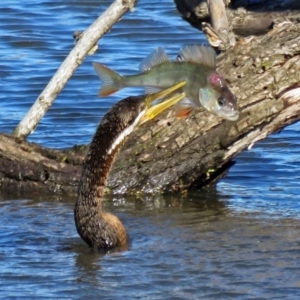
<point>240,240</point>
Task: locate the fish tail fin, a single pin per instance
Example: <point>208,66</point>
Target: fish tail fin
<point>111,81</point>
<point>184,108</point>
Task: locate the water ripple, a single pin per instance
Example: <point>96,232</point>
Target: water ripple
<point>239,241</point>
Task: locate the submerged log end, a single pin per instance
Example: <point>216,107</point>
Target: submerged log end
<point>29,169</point>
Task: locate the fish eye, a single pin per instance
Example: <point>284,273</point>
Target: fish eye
<point>221,101</point>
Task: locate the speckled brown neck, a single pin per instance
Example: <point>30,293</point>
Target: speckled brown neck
<point>98,229</point>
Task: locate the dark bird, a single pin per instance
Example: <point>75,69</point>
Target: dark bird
<point>99,229</point>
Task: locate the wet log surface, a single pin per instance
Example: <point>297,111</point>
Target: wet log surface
<point>170,155</point>
<point>175,155</point>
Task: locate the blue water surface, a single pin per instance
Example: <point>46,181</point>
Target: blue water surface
<point>240,240</point>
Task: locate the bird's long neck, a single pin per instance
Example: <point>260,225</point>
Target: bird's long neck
<point>98,229</point>
<point>95,173</point>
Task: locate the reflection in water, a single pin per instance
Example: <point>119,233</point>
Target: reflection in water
<point>88,265</point>
<point>178,244</point>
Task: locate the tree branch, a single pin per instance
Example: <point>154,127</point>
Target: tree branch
<point>89,38</point>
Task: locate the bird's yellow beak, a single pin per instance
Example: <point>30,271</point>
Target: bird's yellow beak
<point>171,98</point>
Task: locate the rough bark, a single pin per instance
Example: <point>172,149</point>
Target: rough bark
<point>29,169</point>
<point>170,155</point>
<point>264,73</point>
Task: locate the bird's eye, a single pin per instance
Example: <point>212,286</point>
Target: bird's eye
<point>221,101</point>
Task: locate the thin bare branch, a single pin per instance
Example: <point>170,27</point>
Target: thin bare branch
<point>89,38</point>
<point>219,24</point>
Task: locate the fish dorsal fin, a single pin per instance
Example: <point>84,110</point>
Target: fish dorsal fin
<point>200,54</point>
<point>156,57</point>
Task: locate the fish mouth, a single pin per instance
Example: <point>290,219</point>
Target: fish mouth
<point>231,116</point>
<point>169,99</point>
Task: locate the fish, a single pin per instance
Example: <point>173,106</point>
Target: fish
<point>195,64</point>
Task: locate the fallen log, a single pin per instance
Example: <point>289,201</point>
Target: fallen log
<point>170,155</point>
<point>264,74</point>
